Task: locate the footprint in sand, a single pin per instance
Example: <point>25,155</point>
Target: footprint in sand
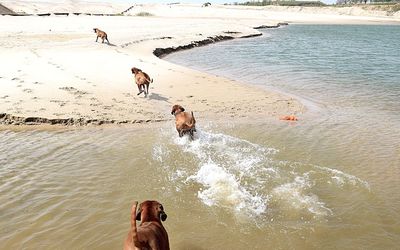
<point>108,107</point>
<point>68,88</point>
<point>27,91</point>
<point>15,79</point>
<point>4,97</point>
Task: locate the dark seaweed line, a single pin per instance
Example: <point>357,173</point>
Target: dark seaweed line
<point>162,52</point>
<point>8,119</point>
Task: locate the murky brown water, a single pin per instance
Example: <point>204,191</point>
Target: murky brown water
<point>269,185</point>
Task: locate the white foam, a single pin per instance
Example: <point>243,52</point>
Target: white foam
<point>341,178</point>
<point>223,189</point>
<point>296,194</point>
<point>244,177</point>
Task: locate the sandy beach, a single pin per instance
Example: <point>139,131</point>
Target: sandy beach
<point>54,72</point>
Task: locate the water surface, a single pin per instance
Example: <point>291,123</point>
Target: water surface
<point>327,181</point>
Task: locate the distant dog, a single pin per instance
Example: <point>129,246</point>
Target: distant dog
<point>150,234</point>
<point>101,34</point>
<point>185,122</point>
<point>142,80</point>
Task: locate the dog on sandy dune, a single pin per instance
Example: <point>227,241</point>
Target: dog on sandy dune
<point>142,81</point>
<point>184,121</point>
<point>150,234</point>
<point>101,34</point>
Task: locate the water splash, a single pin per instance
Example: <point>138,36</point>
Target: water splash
<point>244,177</point>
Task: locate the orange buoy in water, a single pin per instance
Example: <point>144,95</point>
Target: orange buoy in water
<point>288,118</point>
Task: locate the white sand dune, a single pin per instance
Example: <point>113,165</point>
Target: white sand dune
<point>67,6</point>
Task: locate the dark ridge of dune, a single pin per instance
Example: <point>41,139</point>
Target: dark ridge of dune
<point>161,52</point>
<point>6,11</point>
<point>9,119</point>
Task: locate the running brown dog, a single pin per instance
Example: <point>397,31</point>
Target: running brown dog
<point>150,234</point>
<point>142,80</point>
<point>101,34</point>
<point>184,121</point>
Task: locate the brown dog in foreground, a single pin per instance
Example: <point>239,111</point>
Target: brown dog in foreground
<point>185,122</point>
<point>150,234</point>
<point>101,34</point>
<point>142,80</point>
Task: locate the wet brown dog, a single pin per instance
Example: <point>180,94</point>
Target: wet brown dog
<point>150,234</point>
<point>185,122</point>
<point>142,80</point>
<point>101,34</point>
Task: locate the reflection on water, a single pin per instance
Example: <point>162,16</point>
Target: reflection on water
<point>231,188</point>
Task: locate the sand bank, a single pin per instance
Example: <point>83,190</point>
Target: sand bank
<point>54,72</point>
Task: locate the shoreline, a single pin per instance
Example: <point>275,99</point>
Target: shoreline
<point>44,84</point>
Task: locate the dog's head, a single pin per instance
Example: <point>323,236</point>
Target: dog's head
<point>135,70</point>
<point>95,30</point>
<point>151,210</point>
<point>177,109</point>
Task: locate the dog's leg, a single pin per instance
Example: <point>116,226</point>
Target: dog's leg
<point>140,89</point>
<point>97,38</point>
<point>102,40</point>
<point>147,91</point>
<point>107,40</point>
<point>191,133</point>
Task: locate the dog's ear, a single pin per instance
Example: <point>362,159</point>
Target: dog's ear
<point>163,216</point>
<point>139,214</point>
<point>182,108</point>
<point>174,108</point>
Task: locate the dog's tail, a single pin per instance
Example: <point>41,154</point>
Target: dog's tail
<point>148,79</point>
<point>192,121</point>
<point>135,238</point>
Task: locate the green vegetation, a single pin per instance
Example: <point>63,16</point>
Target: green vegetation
<point>393,5</point>
<point>144,14</point>
<point>371,2</point>
<point>284,3</point>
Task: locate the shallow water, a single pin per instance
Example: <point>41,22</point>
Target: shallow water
<point>229,189</point>
<point>327,181</point>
